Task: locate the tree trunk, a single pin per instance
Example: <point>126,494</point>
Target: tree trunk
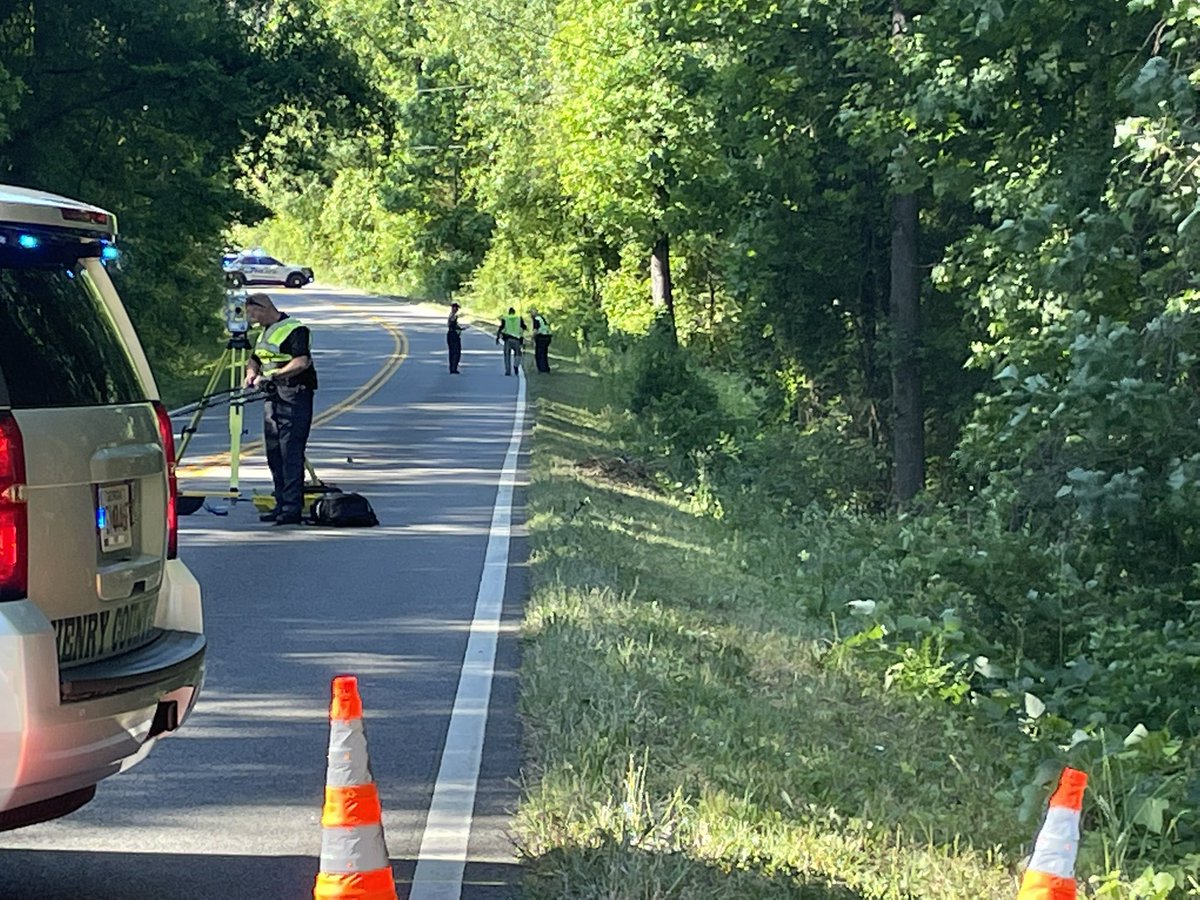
<point>908,430</point>
<point>661,295</point>
<point>871,318</point>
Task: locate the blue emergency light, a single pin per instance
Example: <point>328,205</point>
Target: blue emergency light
<point>28,241</point>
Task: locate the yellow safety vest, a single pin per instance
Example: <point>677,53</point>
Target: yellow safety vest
<point>270,341</point>
<point>512,326</point>
<point>541,326</point>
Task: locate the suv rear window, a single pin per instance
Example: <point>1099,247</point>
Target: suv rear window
<point>58,344</point>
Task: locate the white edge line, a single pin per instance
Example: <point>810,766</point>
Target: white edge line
<point>442,858</point>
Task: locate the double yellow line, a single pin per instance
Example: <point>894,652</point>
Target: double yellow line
<point>210,465</point>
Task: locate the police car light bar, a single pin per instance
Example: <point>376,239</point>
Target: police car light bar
<point>37,247</point>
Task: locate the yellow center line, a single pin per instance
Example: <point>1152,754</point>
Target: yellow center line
<point>211,465</point>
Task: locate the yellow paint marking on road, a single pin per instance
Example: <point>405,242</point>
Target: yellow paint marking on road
<point>212,465</point>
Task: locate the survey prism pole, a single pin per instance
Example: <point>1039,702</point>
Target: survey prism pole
<point>239,355</point>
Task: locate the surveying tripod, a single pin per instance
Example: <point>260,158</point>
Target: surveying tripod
<point>231,365</point>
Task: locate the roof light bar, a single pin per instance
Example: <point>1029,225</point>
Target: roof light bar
<point>94,217</point>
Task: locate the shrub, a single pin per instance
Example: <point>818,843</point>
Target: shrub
<point>678,408</point>
<point>1101,450</point>
<point>788,467</point>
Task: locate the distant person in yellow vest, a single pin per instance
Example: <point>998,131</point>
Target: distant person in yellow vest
<point>510,331</point>
<point>541,341</point>
<point>282,367</point>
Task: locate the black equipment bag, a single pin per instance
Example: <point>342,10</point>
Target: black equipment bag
<point>342,510</point>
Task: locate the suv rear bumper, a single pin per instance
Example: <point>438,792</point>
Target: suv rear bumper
<point>61,733</point>
<point>172,660</point>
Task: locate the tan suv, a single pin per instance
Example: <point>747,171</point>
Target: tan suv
<point>101,633</point>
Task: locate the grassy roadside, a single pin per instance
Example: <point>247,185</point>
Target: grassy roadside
<point>688,732</point>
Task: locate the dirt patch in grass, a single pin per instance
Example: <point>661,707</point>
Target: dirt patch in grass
<point>620,471</point>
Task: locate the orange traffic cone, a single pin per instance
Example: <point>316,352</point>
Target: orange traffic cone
<point>1051,871</point>
<point>354,857</point>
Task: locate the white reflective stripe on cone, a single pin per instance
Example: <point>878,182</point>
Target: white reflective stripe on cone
<point>346,850</point>
<point>347,755</point>
<point>1057,843</point>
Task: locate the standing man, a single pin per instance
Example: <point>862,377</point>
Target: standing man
<point>541,341</point>
<point>454,338</point>
<point>511,326</point>
<point>282,366</point>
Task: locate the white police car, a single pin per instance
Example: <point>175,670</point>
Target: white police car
<point>256,267</point>
<point>101,636</point>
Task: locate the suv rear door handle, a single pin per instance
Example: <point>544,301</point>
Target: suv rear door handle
<point>117,581</point>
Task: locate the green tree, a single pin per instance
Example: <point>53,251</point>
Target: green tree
<point>146,108</point>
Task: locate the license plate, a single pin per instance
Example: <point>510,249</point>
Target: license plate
<point>114,517</point>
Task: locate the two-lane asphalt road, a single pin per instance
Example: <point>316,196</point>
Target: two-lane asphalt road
<point>230,806</point>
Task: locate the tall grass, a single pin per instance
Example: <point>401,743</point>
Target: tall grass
<point>688,731</point>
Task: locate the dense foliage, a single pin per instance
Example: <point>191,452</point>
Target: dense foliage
<point>155,109</point>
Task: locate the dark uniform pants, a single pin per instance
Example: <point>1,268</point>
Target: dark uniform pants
<point>541,348</point>
<point>512,354</point>
<point>287,419</point>
<point>454,342</point>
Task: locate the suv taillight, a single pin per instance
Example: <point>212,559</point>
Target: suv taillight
<point>14,522</point>
<point>168,443</point>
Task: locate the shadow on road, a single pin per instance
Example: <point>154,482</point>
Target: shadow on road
<point>56,875</point>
